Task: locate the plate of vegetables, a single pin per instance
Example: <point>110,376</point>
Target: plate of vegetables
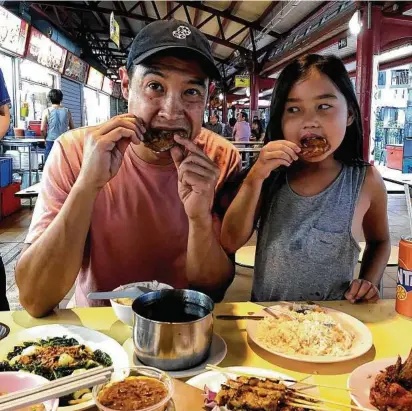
<point>56,351</point>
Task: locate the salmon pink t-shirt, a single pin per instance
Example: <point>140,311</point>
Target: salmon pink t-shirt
<point>139,229</point>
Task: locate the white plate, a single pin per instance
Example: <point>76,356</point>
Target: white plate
<point>93,339</point>
<point>362,379</point>
<point>218,352</point>
<point>214,379</point>
<point>361,343</point>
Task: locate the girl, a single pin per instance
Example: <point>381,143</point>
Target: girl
<point>312,194</point>
<point>257,131</point>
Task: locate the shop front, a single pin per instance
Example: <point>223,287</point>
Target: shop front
<point>40,71</point>
<point>96,104</point>
<point>13,36</point>
<point>74,76</point>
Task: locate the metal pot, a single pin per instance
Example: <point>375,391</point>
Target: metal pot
<point>172,329</point>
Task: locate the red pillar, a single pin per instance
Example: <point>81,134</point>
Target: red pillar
<point>368,45</point>
<point>224,109</point>
<point>254,95</point>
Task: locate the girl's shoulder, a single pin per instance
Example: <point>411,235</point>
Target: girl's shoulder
<point>373,185</point>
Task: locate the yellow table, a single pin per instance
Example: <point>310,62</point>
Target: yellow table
<point>245,256</point>
<point>391,336</point>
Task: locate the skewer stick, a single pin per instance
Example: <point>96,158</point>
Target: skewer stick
<point>242,374</point>
<point>310,407</point>
<point>341,404</point>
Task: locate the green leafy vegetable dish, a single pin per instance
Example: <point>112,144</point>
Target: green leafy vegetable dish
<point>54,358</point>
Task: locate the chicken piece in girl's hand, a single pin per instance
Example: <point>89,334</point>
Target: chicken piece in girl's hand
<point>311,195</point>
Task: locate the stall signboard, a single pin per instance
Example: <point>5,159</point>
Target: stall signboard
<point>117,91</point>
<point>95,79</point>
<point>46,52</point>
<point>114,30</point>
<point>75,68</point>
<point>242,81</point>
<point>108,86</point>
<point>13,32</point>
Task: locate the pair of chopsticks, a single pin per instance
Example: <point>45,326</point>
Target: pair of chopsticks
<point>55,389</point>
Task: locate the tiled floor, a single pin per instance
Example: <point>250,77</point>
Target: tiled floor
<point>13,230</point>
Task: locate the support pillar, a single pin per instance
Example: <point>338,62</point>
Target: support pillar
<point>224,108</point>
<point>368,46</point>
<point>254,96</point>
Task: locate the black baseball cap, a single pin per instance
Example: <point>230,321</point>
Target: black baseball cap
<point>172,34</point>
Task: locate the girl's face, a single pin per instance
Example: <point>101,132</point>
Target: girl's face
<point>316,108</point>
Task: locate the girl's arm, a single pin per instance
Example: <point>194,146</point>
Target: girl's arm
<point>239,220</point>
<point>378,246</point>
<point>241,215</point>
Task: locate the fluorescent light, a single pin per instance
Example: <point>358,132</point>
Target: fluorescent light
<point>220,96</point>
<point>354,24</point>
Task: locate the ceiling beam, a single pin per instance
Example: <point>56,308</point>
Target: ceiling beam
<point>156,10</point>
<point>266,12</point>
<point>196,18</point>
<point>136,5</point>
<point>205,21</point>
<point>324,5</point>
<point>189,19</point>
<point>225,14</point>
<point>234,5</point>
<point>91,8</point>
<point>172,12</point>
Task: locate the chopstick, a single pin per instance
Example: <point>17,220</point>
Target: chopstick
<point>55,389</point>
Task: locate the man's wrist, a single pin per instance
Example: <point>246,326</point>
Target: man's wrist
<point>201,221</point>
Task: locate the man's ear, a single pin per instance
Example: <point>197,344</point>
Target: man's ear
<point>125,82</point>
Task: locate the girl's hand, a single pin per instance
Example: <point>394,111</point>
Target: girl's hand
<point>273,155</point>
<point>362,290</point>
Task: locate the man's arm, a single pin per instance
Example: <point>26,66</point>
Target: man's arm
<point>208,267</point>
<point>48,268</point>
<point>4,120</point>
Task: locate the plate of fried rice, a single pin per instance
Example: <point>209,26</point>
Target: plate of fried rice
<point>310,333</point>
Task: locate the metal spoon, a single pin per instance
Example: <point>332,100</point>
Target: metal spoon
<point>110,295</point>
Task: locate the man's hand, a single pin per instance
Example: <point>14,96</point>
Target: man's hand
<point>198,176</point>
<point>362,290</point>
<point>104,147</point>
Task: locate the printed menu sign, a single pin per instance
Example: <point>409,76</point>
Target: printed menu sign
<point>75,68</point>
<point>95,79</point>
<point>108,86</point>
<point>13,32</point>
<point>46,52</point>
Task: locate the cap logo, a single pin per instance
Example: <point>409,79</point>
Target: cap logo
<point>182,32</point>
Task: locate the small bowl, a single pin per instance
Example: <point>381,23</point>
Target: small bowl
<point>125,312</point>
<point>12,381</point>
<point>121,374</point>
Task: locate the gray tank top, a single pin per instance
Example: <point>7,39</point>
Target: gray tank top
<point>305,248</point>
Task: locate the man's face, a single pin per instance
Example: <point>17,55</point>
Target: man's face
<point>213,120</point>
<point>171,94</point>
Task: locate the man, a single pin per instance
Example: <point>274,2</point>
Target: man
<point>111,210</point>
<point>214,125</point>
<point>4,126</point>
<point>241,130</point>
<point>55,121</point>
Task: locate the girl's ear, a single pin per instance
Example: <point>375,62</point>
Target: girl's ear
<point>351,117</point>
